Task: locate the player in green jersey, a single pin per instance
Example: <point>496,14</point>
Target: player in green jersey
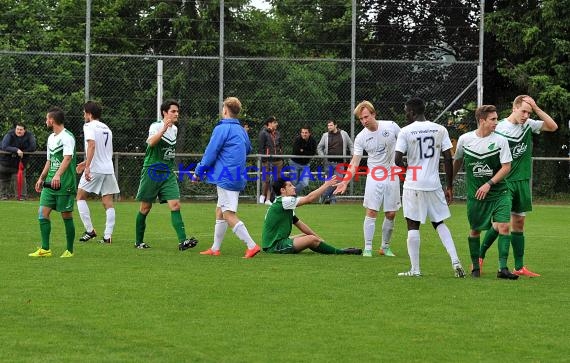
<point>518,129</point>
<point>280,218</point>
<point>158,179</point>
<point>487,161</point>
<point>58,175</point>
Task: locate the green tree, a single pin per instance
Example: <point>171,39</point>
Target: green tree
<point>530,55</point>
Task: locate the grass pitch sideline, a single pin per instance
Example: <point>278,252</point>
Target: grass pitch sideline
<point>115,303</point>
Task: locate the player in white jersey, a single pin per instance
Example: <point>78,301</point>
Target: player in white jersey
<point>98,172</point>
<point>424,142</point>
<point>378,139</point>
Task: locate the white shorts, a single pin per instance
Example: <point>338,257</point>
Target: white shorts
<point>382,192</point>
<point>102,184</point>
<point>227,200</point>
<point>419,204</point>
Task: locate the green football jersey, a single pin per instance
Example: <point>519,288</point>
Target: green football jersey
<point>59,146</point>
<point>165,150</point>
<point>278,220</point>
<point>482,158</point>
<point>519,137</point>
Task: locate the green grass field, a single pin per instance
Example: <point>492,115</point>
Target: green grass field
<point>118,304</point>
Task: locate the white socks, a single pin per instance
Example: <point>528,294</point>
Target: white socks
<point>85,215</point>
<point>369,227</point>
<point>447,241</point>
<point>241,232</point>
<point>219,233</point>
<point>414,249</point>
<point>110,223</point>
<point>387,229</point>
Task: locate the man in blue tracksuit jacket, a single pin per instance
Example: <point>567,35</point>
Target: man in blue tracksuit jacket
<point>223,164</point>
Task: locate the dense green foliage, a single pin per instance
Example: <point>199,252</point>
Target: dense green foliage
<point>526,52</point>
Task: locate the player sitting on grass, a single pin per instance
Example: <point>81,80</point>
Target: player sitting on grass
<point>280,218</point>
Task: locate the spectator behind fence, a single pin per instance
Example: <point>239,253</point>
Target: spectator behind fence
<point>269,144</point>
<point>304,145</point>
<point>334,142</point>
<point>18,142</point>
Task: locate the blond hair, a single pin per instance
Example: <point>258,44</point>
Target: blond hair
<point>233,105</point>
<point>519,100</point>
<point>361,106</point>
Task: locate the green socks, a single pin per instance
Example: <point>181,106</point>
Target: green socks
<point>140,226</point>
<point>69,233</point>
<point>516,239</point>
<point>474,248</point>
<point>178,224</point>
<point>504,243</point>
<point>326,249</point>
<point>490,237</point>
<point>45,231</point>
<point>517,242</point>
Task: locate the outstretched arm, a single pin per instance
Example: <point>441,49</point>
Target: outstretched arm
<point>315,194</point>
<point>352,167</point>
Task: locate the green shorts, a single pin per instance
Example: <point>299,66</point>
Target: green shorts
<point>163,186</point>
<point>58,202</point>
<point>481,214</point>
<point>284,246</point>
<point>521,194</point>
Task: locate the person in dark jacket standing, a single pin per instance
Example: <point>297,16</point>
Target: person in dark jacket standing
<point>18,142</point>
<point>304,145</point>
<point>223,164</point>
<point>270,144</point>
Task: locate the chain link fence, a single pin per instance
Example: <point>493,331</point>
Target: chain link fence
<point>298,92</point>
<point>549,183</point>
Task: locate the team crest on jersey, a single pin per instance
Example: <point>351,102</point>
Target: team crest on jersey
<point>519,150</point>
<point>169,154</point>
<point>482,170</point>
<point>54,163</point>
<point>385,133</point>
<point>491,146</point>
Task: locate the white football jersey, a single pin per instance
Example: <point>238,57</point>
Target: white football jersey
<point>97,131</point>
<point>423,142</point>
<point>379,145</point>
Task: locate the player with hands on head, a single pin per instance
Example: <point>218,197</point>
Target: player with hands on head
<point>518,128</point>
